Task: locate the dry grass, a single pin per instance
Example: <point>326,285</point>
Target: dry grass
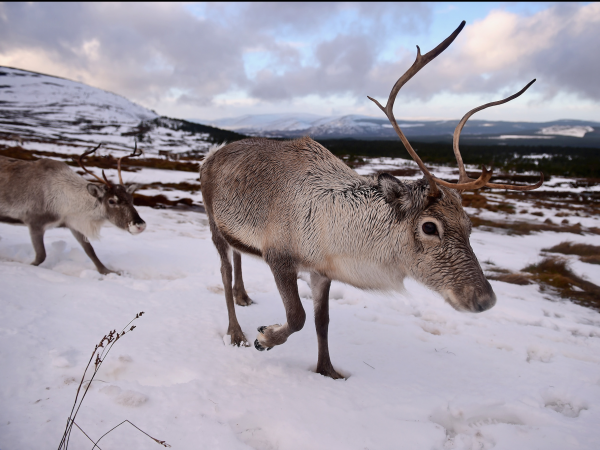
<point>102,162</point>
<point>553,274</point>
<point>100,353</point>
<point>569,248</point>
<point>512,278</point>
<point>523,228</point>
<point>595,259</point>
<point>476,200</point>
<point>162,202</point>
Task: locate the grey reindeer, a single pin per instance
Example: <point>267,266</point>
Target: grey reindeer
<point>46,194</point>
<point>301,209</point>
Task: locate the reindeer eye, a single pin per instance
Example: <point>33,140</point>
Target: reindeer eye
<point>430,228</point>
<point>111,202</point>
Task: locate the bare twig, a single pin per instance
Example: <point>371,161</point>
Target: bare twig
<point>101,351</point>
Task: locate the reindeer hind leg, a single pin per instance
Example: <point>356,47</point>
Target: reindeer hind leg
<point>234,330</point>
<point>239,291</point>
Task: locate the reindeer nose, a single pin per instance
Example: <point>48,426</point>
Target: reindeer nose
<point>137,228</point>
<point>484,299</point>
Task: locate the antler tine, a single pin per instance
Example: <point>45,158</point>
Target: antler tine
<point>513,187</point>
<point>461,167</point>
<point>135,153</point>
<point>420,62</point>
<point>105,181</point>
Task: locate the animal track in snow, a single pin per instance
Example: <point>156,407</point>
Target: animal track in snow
<point>463,424</point>
<point>125,398</point>
<point>563,402</point>
<point>249,431</point>
<point>538,353</point>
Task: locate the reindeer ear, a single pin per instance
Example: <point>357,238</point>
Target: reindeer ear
<point>97,190</point>
<point>132,188</point>
<point>391,188</point>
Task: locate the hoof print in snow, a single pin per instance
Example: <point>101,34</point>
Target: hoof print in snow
<point>124,398</point>
<point>565,408</point>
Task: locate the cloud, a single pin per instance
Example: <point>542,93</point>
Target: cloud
<point>167,54</point>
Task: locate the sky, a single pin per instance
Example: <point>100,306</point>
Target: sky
<point>215,60</point>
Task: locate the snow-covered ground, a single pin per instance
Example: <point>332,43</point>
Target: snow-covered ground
<point>420,375</point>
<point>54,114</point>
<point>525,374</point>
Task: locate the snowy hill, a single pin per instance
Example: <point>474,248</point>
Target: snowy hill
<point>577,132</point>
<point>55,114</point>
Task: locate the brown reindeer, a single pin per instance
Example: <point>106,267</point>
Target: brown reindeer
<point>300,208</point>
<point>46,194</point>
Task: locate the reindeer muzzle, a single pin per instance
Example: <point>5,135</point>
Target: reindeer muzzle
<point>136,228</point>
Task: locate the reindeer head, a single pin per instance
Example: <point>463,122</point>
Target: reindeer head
<point>116,199</point>
<point>432,209</point>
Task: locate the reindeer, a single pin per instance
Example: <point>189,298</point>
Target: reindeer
<point>45,194</point>
<point>300,208</point>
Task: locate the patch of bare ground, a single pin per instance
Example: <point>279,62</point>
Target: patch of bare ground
<point>521,228</point>
<point>512,278</point>
<point>161,202</point>
<point>553,274</point>
<point>589,253</point>
<point>477,200</point>
<point>103,162</point>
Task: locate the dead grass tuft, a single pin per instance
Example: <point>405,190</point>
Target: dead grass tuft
<point>512,278</point>
<point>553,274</point>
<point>524,228</point>
<point>595,259</point>
<point>569,248</point>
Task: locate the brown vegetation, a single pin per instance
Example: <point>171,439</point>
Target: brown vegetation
<point>554,274</point>
<point>569,248</point>
<point>589,253</point>
<point>103,162</point>
<point>512,278</point>
<point>524,228</point>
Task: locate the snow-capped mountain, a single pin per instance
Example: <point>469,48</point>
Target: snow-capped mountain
<point>367,127</point>
<point>53,111</point>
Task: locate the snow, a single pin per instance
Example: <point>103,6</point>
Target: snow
<point>566,130</point>
<point>54,114</point>
<point>524,374</point>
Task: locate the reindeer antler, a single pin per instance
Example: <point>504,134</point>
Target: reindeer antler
<point>463,177</point>
<point>80,161</point>
<point>465,182</point>
<point>135,153</point>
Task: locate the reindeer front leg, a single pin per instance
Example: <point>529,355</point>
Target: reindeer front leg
<point>89,250</point>
<point>286,276</point>
<point>234,330</point>
<point>320,290</point>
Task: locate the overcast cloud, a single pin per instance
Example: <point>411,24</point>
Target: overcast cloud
<point>215,60</point>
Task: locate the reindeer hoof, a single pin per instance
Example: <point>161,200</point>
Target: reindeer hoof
<point>258,346</point>
<point>243,300</point>
<point>262,329</point>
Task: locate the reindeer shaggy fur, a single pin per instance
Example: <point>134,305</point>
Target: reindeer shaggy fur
<point>45,194</point>
<point>302,209</point>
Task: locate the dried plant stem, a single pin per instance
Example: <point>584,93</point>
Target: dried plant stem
<point>101,351</point>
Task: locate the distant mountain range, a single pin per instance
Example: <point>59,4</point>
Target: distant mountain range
<point>51,111</point>
<point>559,132</point>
